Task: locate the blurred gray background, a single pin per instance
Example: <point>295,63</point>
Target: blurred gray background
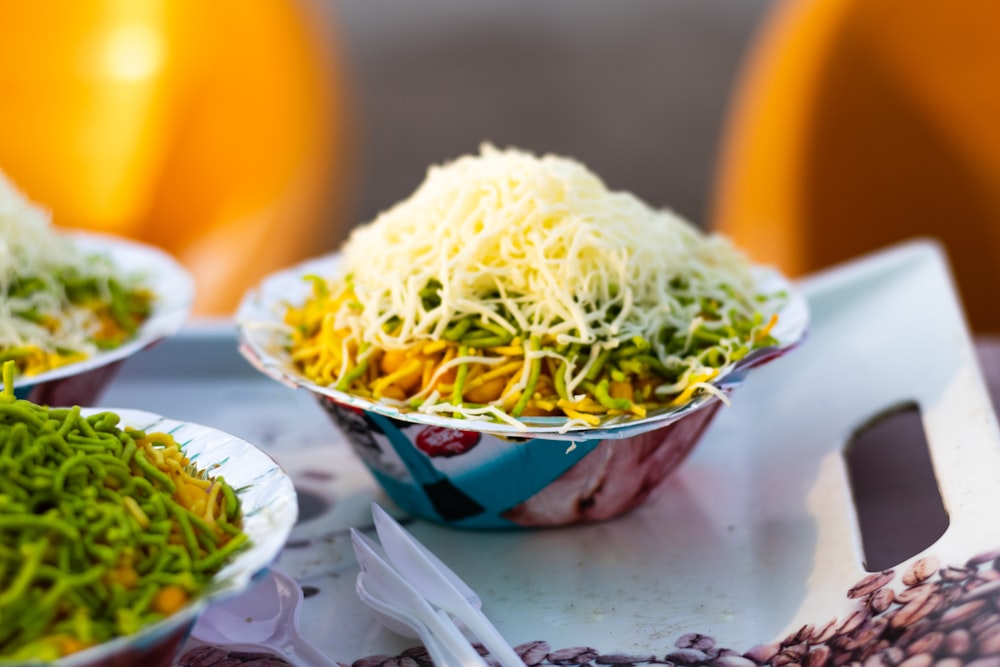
<point>635,89</point>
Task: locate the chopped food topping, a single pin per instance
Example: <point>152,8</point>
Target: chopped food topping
<point>58,303</point>
<point>510,285</point>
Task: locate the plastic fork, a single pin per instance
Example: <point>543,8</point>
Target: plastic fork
<point>384,582</point>
<point>439,584</point>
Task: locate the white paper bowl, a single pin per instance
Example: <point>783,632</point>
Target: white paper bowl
<point>82,383</point>
<point>475,474</point>
<point>270,510</point>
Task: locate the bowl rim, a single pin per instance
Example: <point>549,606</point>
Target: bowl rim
<point>172,283</point>
<point>260,329</point>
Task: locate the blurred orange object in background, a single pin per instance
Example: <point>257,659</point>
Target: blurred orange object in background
<point>858,124</point>
<point>215,130</point>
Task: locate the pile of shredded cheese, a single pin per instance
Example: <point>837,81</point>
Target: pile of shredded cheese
<point>546,235</point>
<point>540,248</point>
<point>37,317</point>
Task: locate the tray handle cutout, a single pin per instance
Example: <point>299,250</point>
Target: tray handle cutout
<point>895,491</point>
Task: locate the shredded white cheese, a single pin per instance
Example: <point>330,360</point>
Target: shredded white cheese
<point>541,237</point>
<point>30,247</point>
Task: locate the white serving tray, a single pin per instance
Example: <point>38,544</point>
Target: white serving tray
<point>754,538</point>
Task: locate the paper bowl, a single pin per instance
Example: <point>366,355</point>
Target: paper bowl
<point>541,472</point>
<point>270,511</point>
<point>83,383</point>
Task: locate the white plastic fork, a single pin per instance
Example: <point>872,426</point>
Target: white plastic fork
<point>436,582</point>
<point>387,584</point>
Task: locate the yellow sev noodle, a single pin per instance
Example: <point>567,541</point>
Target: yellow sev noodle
<point>489,380</point>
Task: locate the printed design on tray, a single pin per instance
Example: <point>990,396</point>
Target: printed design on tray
<point>211,656</point>
<point>926,616</point>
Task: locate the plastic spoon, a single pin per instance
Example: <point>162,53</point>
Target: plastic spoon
<point>430,580</point>
<point>384,519</point>
<point>406,625</point>
<point>265,617</point>
<point>386,583</point>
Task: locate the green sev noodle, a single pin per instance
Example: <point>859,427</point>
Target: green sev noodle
<point>66,534</point>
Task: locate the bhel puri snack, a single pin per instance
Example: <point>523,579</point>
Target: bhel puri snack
<point>103,528</point>
<point>510,286</point>
<point>59,304</point>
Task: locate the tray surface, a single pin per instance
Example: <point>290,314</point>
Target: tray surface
<point>750,551</point>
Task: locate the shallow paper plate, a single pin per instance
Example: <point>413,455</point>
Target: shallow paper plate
<point>270,510</point>
<point>175,290</point>
<point>264,339</point>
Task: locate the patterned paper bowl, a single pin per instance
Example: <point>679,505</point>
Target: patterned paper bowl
<point>83,383</point>
<point>496,475</point>
<point>270,510</point>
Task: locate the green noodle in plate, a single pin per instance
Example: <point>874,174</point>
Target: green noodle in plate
<point>103,528</point>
